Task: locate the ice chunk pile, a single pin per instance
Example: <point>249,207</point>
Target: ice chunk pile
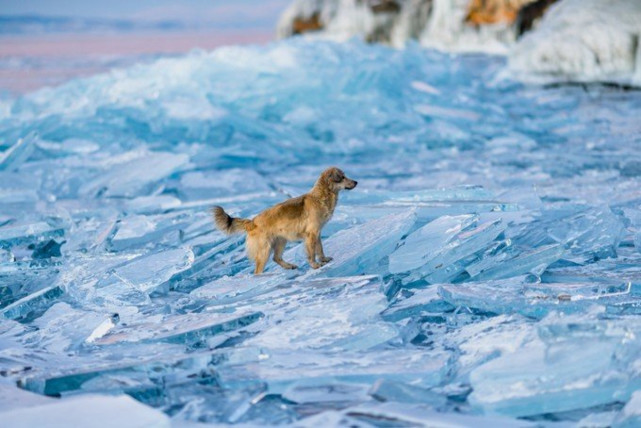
<point>486,271</point>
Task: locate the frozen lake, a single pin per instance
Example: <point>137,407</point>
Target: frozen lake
<point>487,269</point>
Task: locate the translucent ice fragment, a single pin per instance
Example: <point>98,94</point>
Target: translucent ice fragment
<point>280,369</point>
<point>22,233</point>
<point>630,415</point>
<point>579,361</point>
<point>423,300</point>
<point>86,410</point>
<point>13,157</point>
<point>534,261</point>
<point>152,204</point>
<point>360,248</point>
<point>33,305</point>
<point>147,273</point>
<point>593,234</point>
<point>240,287</point>
<point>189,329</point>
<point>134,176</point>
<point>425,243</point>
<point>385,390</point>
<point>329,390</point>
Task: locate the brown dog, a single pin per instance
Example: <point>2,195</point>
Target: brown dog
<point>296,219</point>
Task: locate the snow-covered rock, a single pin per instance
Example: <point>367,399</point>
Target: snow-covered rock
<point>583,40</point>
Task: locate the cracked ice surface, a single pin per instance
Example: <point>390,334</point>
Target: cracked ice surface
<point>486,269</point>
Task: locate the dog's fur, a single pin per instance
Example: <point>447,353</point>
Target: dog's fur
<point>296,219</point>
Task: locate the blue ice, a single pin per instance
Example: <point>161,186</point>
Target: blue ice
<point>486,270</point>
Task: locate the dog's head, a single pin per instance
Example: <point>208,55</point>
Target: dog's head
<point>336,180</point>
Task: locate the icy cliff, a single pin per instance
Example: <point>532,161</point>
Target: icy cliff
<point>486,269</point>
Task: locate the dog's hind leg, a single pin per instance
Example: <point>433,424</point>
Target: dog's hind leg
<point>320,253</point>
<point>310,247</point>
<point>279,247</point>
<point>258,249</point>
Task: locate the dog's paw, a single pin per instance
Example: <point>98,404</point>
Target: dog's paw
<point>314,265</point>
<point>325,260</point>
<point>291,266</point>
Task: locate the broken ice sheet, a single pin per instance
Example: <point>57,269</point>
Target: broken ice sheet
<point>336,313</point>
<point>150,272</point>
<point>577,362</point>
<point>531,298</point>
<point>190,329</point>
<point>436,251</point>
<point>18,153</point>
<point>359,249</point>
<point>508,262</point>
<point>20,234</point>
<point>33,305</point>
<point>132,173</point>
<point>280,369</point>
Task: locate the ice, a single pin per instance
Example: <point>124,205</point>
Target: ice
<point>189,329</point>
<point>18,153</point>
<point>359,249</point>
<point>88,411</point>
<point>630,415</point>
<point>32,305</point>
<point>575,363</point>
<point>485,264</point>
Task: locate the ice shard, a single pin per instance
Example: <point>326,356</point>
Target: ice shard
<point>18,153</point>
<point>359,249</point>
<point>576,362</point>
<point>33,305</point>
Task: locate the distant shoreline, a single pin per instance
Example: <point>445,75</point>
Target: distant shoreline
<point>29,62</point>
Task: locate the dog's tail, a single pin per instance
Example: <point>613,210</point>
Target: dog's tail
<point>230,225</point>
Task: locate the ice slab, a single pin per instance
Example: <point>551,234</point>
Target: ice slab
<point>442,248</point>
<point>280,369</point>
<point>134,175</point>
<point>502,264</point>
<point>404,414</point>
<point>520,295</point>
<point>88,411</point>
<point>18,153</point>
<point>359,249</point>
<point>421,301</point>
<point>27,233</point>
<point>32,305</point>
<point>151,272</point>
<point>630,415</point>
<point>190,329</point>
<point>577,362</point>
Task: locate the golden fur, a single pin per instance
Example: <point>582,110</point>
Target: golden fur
<point>296,219</point>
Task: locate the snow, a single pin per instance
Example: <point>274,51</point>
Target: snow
<point>582,40</point>
<point>486,268</point>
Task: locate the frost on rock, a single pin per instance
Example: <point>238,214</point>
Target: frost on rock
<point>486,267</point>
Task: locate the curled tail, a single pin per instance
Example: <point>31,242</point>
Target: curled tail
<point>229,224</point>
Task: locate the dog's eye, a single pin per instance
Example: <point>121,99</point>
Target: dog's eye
<point>337,178</point>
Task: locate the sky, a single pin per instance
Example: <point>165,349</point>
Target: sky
<point>260,12</point>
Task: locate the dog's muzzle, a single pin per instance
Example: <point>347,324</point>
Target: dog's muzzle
<point>351,184</point>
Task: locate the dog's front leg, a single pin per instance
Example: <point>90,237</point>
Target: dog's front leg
<point>310,246</point>
<point>320,253</point>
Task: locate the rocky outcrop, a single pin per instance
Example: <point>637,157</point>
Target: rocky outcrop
<point>583,40</point>
<point>459,25</point>
<point>545,40</point>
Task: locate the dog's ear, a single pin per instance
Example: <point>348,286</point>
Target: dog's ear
<point>336,176</point>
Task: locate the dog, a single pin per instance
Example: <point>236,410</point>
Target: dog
<point>296,219</point>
